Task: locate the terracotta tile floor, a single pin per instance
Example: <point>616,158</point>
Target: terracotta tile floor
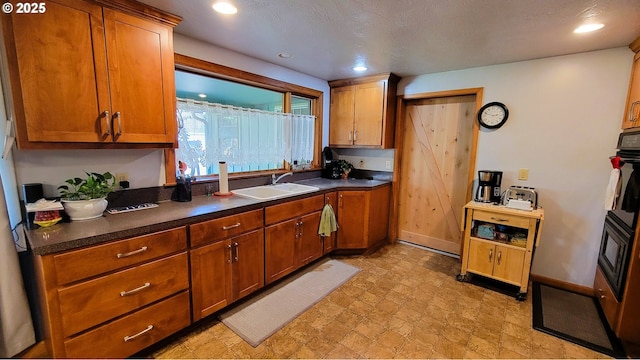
<point>405,303</point>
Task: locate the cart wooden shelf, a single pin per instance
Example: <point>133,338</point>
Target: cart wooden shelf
<point>501,255</point>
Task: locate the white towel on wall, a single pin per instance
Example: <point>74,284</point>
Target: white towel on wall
<point>613,190</point>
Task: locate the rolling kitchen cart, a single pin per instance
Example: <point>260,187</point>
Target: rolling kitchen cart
<point>499,243</point>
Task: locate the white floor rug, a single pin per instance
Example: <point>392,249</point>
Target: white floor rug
<point>262,315</point>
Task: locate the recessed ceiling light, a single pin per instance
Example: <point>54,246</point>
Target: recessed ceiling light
<point>585,28</point>
<point>284,55</point>
<point>225,8</point>
<point>202,96</point>
<point>359,68</point>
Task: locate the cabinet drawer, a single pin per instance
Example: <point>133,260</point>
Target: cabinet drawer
<point>98,300</point>
<point>80,264</point>
<point>607,300</point>
<point>222,228</point>
<point>289,210</point>
<point>501,219</point>
<point>108,341</point>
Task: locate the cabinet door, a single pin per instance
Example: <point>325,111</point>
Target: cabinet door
<point>141,75</point>
<point>509,263</point>
<point>280,258</point>
<point>341,115</point>
<point>353,209</point>
<point>632,110</point>
<point>59,73</point>
<point>248,263</point>
<point>330,241</point>
<point>210,278</point>
<point>369,113</point>
<point>481,257</point>
<point>309,242</point>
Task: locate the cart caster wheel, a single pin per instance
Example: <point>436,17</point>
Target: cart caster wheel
<point>462,277</point>
<point>521,296</point>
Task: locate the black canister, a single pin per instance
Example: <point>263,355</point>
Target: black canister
<point>182,191</point>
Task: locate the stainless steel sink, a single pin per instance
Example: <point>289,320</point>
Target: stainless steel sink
<point>270,192</point>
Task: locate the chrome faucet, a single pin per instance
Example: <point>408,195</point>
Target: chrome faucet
<point>274,179</point>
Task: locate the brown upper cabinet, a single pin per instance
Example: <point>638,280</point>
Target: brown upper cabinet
<point>632,110</point>
<point>92,74</point>
<point>362,112</point>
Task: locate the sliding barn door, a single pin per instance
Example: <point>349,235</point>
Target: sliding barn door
<point>434,170</point>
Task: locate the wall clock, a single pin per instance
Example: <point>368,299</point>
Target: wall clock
<point>493,115</point>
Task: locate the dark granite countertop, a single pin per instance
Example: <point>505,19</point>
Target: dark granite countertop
<point>169,214</point>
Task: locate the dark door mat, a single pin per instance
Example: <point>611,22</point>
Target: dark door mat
<point>573,317</point>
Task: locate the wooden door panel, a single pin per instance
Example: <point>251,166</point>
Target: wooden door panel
<point>62,74</point>
<point>280,258</point>
<point>310,243</point>
<point>341,115</point>
<point>353,206</point>
<point>140,79</point>
<point>248,266</point>
<point>210,278</point>
<point>434,171</point>
<point>509,263</point>
<point>483,257</point>
<point>369,113</point>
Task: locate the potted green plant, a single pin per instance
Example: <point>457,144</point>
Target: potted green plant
<point>345,167</point>
<point>85,198</point>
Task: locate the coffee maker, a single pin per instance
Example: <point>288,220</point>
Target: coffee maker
<point>329,168</point>
<point>489,186</point>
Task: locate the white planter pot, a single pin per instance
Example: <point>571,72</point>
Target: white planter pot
<point>84,209</point>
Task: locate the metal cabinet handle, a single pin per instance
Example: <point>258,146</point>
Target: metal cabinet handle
<point>235,246</point>
<point>105,115</point>
<point>118,116</point>
<point>490,255</point>
<point>301,228</point>
<point>355,136</point>
<point>602,297</point>
<point>229,227</point>
<point>499,219</point>
<point>600,290</point>
<point>130,292</point>
<point>499,257</point>
<point>131,337</point>
<point>230,256</point>
<point>134,252</point>
<point>349,138</point>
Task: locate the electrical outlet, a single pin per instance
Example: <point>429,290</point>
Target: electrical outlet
<point>361,162</point>
<point>523,174</point>
<point>121,177</point>
<point>387,164</point>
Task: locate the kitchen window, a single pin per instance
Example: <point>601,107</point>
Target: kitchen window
<point>252,123</point>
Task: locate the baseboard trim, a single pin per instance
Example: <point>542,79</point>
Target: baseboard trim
<point>583,290</point>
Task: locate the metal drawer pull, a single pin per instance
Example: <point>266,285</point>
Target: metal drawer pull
<point>105,114</point>
<point>125,293</point>
<point>228,227</point>
<point>142,249</point>
<point>499,219</point>
<point>129,338</point>
<point>490,254</point>
<point>117,116</point>
<point>499,257</point>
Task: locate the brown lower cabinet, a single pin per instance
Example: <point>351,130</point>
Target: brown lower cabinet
<point>291,236</point>
<point>117,298</point>
<point>363,218</point>
<point>226,271</point>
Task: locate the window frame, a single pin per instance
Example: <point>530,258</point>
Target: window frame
<point>206,68</point>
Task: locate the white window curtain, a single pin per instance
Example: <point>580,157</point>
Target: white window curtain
<point>246,139</point>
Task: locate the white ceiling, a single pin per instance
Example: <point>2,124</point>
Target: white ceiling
<point>407,37</point>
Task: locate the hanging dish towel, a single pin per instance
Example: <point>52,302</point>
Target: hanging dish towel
<point>613,190</point>
<point>328,223</point>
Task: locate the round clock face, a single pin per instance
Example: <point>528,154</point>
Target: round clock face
<point>493,115</point>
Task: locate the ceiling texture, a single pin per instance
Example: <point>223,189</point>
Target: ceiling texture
<point>327,38</point>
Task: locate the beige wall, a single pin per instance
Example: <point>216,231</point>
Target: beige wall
<point>564,118</point>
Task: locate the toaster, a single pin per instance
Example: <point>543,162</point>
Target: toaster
<point>522,193</point>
